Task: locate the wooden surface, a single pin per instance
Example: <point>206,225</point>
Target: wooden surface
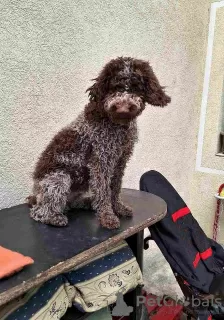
<point>57,250</point>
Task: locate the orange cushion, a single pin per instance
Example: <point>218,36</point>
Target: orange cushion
<point>11,262</point>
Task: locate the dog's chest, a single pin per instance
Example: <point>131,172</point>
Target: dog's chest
<point>113,139</point>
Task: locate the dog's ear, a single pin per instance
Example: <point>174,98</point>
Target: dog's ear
<point>154,92</point>
<point>99,89</point>
<point>94,91</point>
<point>101,85</point>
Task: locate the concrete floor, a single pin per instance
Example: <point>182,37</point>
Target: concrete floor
<point>158,276</point>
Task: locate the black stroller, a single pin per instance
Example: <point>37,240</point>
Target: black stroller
<point>196,261</point>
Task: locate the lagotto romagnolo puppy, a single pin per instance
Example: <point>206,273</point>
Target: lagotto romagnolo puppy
<point>91,153</point>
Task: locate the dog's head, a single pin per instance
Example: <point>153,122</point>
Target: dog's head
<point>123,88</point>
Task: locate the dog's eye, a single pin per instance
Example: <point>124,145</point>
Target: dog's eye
<point>119,87</point>
<point>135,86</point>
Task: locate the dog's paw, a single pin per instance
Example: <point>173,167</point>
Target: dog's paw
<point>122,210</point>
<point>58,220</point>
<point>109,221</point>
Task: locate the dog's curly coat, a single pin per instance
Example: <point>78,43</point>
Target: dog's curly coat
<point>91,153</point>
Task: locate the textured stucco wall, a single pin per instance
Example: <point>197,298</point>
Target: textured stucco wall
<point>205,185</point>
<point>51,49</point>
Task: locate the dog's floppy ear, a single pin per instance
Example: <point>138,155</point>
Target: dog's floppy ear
<point>101,84</point>
<point>100,87</point>
<point>93,91</point>
<point>154,92</point>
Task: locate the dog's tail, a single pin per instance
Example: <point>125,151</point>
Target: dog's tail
<point>31,201</point>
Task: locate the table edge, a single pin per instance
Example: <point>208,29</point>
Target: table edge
<point>68,264</point>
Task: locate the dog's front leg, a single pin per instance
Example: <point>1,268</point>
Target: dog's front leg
<point>119,207</point>
<point>99,183</point>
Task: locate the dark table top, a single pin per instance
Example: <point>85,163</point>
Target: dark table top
<point>56,250</point>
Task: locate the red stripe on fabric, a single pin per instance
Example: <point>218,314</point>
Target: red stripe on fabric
<point>186,283</point>
<point>180,213</point>
<point>196,260</point>
<point>210,318</point>
<point>206,254</point>
<point>203,255</point>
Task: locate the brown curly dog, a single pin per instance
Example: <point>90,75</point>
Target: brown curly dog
<point>91,153</point>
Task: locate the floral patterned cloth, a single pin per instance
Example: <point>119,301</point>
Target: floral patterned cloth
<point>89,287</point>
<point>98,282</point>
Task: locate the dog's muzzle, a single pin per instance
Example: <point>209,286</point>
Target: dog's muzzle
<point>123,106</point>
